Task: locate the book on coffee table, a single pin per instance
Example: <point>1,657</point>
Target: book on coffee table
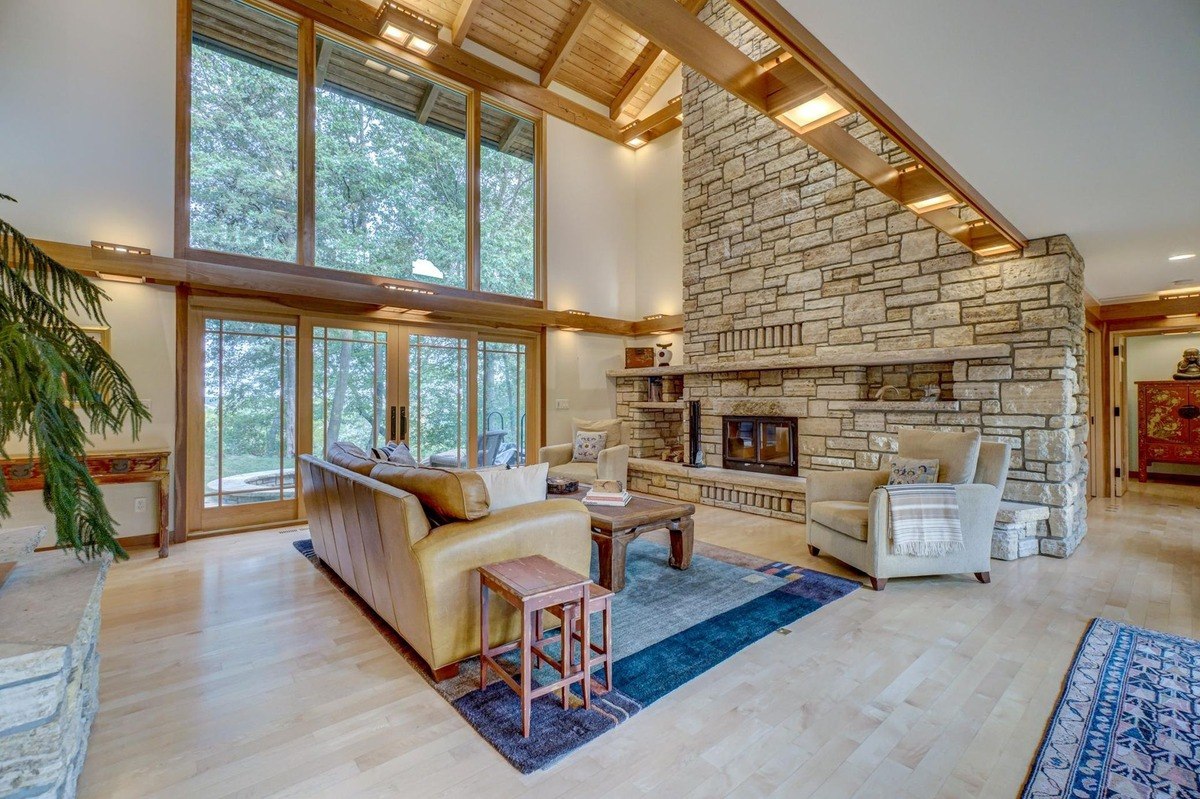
<point>613,499</point>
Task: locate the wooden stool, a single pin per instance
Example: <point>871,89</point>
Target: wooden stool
<point>599,601</point>
<point>531,585</point>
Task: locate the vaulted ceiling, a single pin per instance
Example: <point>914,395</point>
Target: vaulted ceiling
<point>574,44</point>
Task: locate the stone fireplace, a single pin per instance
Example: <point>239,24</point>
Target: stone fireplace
<point>760,444</point>
<point>807,291</point>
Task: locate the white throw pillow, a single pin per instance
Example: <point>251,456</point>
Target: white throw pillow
<point>520,486</point>
<point>588,446</point>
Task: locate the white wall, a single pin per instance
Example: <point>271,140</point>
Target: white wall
<point>87,147</point>
<point>1152,358</point>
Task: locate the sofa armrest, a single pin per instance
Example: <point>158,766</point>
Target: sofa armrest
<point>613,464</point>
<point>556,454</point>
<point>847,486</point>
<point>977,507</point>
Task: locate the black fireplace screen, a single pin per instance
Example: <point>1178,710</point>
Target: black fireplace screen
<point>763,444</point>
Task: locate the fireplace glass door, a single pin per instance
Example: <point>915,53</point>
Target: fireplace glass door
<point>760,444</point>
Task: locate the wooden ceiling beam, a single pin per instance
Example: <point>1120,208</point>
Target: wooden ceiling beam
<point>646,62</point>
<point>356,19</point>
<point>509,137</point>
<point>313,288</point>
<point>324,51</point>
<point>773,19</point>
<point>428,101</point>
<point>676,30</point>
<point>576,25</point>
<point>467,11</point>
<point>660,122</point>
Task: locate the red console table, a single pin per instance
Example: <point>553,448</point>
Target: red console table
<point>141,466</point>
<point>1168,423</point>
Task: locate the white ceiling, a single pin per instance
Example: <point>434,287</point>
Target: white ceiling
<point>1071,116</point>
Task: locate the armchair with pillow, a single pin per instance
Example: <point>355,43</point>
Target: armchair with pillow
<point>597,452</point>
<point>849,514</point>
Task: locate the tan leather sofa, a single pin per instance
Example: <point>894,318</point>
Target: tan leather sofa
<point>612,463</point>
<point>848,513</point>
<point>422,579</point>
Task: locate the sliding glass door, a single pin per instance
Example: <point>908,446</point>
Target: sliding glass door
<point>249,420</point>
<point>268,387</point>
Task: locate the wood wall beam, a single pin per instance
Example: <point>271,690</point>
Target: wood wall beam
<point>1150,309</point>
<point>356,20</point>
<point>676,30</point>
<point>566,42</point>
<point>774,20</point>
<point>646,62</point>
<point>671,323</point>
<point>334,291</point>
<point>658,123</point>
<point>467,10</point>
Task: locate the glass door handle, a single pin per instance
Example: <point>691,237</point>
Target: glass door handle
<point>403,417</point>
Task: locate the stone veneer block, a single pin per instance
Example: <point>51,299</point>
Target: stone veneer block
<point>49,672</point>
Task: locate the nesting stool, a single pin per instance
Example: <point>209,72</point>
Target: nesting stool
<point>531,585</point>
<point>599,601</point>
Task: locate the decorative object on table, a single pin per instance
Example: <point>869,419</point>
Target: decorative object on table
<point>608,486</point>
<point>655,389</point>
<point>656,649</point>
<point>1125,722</point>
<point>931,393</point>
<point>532,585</point>
<point>617,498</point>
<point>674,454</point>
<point>695,451</point>
<point>639,357</point>
<point>561,485</point>
<point>51,364</point>
<point>662,354</point>
<point>588,446</point>
<point>1188,367</point>
<point>1168,417</point>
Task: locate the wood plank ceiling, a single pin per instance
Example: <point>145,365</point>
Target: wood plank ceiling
<point>606,60</point>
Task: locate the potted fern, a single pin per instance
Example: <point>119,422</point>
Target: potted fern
<point>52,376</point>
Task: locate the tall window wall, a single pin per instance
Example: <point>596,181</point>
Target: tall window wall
<point>386,166</point>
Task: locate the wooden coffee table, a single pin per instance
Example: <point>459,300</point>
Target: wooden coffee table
<point>613,528</point>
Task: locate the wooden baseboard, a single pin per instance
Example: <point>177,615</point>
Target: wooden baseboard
<point>249,528</point>
<point>127,541</point>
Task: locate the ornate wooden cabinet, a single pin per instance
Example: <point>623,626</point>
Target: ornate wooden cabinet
<point>1168,423</point>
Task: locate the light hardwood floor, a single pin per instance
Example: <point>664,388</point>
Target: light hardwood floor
<point>235,669</point>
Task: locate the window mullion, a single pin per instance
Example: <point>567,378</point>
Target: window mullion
<point>306,217</point>
<point>474,142</point>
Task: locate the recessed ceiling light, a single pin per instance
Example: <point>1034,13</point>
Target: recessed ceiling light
<point>1182,256</point>
<point>933,203</point>
<point>636,142</point>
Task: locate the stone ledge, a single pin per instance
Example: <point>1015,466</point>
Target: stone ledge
<point>967,352</point>
<point>19,542</point>
<point>718,476</point>
<point>1021,512</point>
<point>894,405</point>
<point>658,406</point>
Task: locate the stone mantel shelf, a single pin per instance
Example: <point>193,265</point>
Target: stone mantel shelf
<point>659,406</point>
<point>893,405</point>
<point>969,352</point>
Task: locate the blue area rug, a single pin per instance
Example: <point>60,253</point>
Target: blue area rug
<point>669,626</point>
<point>1128,721</point>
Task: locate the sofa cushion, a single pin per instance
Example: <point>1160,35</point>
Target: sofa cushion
<point>400,455</point>
<point>583,472</point>
<point>912,471</point>
<point>612,429</point>
<point>957,453</point>
<point>587,447</point>
<point>508,488</point>
<point>848,518</point>
<point>448,495</point>
<point>348,456</point>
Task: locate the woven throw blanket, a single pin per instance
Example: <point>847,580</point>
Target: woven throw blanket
<point>924,519</point>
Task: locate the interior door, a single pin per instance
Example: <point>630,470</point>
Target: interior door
<point>1120,418</point>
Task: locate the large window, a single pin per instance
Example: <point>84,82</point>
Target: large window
<point>243,148</point>
<point>381,184</point>
<point>391,171</point>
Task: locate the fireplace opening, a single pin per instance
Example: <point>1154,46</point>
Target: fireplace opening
<point>763,444</point>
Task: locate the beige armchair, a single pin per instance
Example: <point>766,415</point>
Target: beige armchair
<point>848,514</point>
<point>612,464</point>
